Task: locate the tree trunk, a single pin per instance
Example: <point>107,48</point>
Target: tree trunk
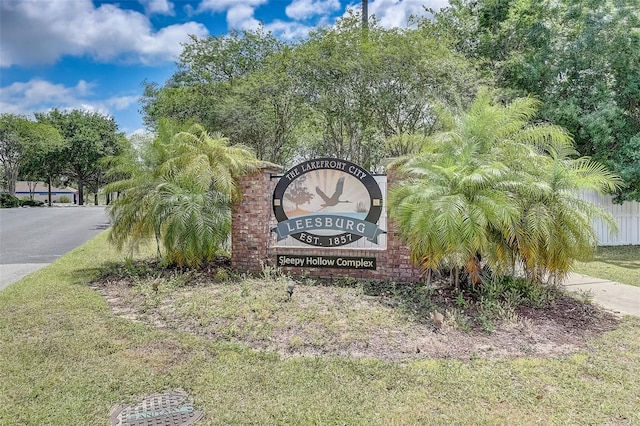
<point>455,277</point>
<point>11,173</point>
<point>159,253</point>
<point>32,188</point>
<point>95,198</point>
<point>80,192</point>
<point>365,15</point>
<point>49,186</point>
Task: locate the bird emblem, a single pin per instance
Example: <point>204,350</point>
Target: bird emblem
<point>335,198</point>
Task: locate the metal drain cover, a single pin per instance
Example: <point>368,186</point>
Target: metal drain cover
<point>166,409</point>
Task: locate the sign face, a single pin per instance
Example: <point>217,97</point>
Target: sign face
<point>327,203</point>
<point>342,262</point>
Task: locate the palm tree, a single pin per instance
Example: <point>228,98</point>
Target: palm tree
<point>500,188</point>
<point>180,192</point>
<point>556,225</point>
<point>450,206</point>
<point>133,175</point>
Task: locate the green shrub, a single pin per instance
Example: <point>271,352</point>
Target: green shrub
<point>8,200</point>
<point>32,203</point>
<point>64,199</point>
<point>221,275</point>
<point>513,291</point>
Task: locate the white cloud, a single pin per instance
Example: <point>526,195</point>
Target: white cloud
<point>396,13</point>
<point>120,103</point>
<point>389,13</point>
<point>41,32</point>
<point>39,95</point>
<point>288,30</point>
<point>139,132</point>
<point>225,5</point>
<point>240,13</point>
<point>241,17</point>
<point>319,12</point>
<point>305,9</point>
<point>160,7</point>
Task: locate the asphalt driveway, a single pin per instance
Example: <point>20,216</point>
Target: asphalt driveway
<point>31,238</point>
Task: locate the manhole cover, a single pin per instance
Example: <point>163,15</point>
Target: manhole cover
<point>166,409</point>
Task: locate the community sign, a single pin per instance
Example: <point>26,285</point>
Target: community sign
<point>327,202</point>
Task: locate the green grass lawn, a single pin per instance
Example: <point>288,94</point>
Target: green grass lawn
<point>615,263</point>
<point>66,359</point>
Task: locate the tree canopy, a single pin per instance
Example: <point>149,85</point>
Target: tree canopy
<point>236,84</point>
<point>581,59</point>
<point>24,144</point>
<point>337,92</point>
<point>88,136</point>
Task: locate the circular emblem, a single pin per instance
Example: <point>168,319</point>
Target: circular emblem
<point>327,202</point>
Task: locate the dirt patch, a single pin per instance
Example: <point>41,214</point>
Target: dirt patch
<point>350,321</point>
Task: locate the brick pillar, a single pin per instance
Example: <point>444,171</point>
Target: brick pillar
<point>398,258</point>
<point>250,232</point>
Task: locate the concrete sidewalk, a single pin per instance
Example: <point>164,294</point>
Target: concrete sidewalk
<point>618,298</point>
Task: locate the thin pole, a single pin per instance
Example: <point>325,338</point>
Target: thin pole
<point>365,14</point>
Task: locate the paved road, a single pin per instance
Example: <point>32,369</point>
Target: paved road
<point>31,238</point>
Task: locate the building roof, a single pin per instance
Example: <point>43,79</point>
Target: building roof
<point>23,187</point>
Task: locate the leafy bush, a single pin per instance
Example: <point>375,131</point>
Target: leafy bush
<point>514,291</point>
<point>8,200</point>
<point>64,199</point>
<point>180,194</point>
<point>221,275</point>
<point>499,190</point>
<point>32,203</point>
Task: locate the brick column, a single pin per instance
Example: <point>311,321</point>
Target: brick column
<point>398,259</point>
<point>250,230</point>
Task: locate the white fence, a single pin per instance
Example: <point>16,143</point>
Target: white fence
<point>626,215</point>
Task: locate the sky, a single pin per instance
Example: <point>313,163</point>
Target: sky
<point>94,55</point>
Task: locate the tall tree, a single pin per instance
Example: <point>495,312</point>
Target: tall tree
<point>247,75</point>
<point>263,112</point>
<point>363,90</point>
<point>89,136</point>
<point>23,141</point>
<point>47,164</point>
<point>580,58</point>
<point>335,93</point>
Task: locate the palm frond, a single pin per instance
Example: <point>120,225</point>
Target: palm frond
<point>499,186</point>
<point>181,193</point>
